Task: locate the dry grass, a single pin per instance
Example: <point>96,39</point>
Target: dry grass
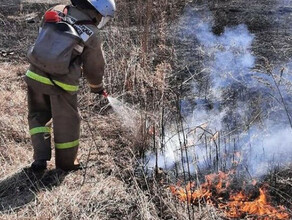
<point>141,64</point>
<point>108,188</point>
<point>101,194</point>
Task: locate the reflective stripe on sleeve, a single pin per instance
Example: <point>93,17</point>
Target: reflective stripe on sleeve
<point>47,81</point>
<point>96,86</point>
<point>67,145</point>
<point>38,130</point>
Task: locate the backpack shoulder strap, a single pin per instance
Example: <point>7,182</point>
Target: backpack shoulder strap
<point>59,8</point>
<point>78,22</point>
<point>85,22</point>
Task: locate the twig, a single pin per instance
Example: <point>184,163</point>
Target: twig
<point>178,122</point>
<point>90,149</point>
<point>281,96</point>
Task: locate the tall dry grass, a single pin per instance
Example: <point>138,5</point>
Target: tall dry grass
<point>139,62</point>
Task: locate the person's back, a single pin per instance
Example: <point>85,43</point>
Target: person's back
<point>55,96</point>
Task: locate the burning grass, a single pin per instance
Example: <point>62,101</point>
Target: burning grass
<point>217,190</point>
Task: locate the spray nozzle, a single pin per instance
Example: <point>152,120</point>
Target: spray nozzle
<point>105,94</point>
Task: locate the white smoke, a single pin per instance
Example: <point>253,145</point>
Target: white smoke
<point>229,63</point>
<point>266,146</point>
<point>228,57</point>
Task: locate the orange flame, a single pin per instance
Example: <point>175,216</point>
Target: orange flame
<point>238,204</point>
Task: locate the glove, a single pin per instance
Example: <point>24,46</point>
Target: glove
<point>103,92</point>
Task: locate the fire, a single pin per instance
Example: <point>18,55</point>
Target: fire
<point>240,206</point>
<point>215,191</point>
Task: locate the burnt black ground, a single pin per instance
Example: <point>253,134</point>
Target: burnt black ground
<point>269,20</point>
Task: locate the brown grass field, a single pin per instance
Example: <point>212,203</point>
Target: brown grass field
<point>142,66</point>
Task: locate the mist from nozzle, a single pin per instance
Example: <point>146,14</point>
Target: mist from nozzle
<point>124,112</point>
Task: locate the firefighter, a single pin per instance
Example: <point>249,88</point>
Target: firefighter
<point>55,97</point>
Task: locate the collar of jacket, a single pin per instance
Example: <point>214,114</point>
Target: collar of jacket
<point>81,14</point>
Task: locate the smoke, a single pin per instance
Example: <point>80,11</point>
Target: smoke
<point>227,57</point>
<point>244,105</point>
<point>265,147</point>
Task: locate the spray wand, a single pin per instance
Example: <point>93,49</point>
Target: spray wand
<point>105,95</point>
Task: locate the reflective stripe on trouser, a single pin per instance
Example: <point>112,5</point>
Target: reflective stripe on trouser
<point>66,122</point>
<point>38,130</point>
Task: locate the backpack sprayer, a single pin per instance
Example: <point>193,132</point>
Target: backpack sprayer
<point>52,16</point>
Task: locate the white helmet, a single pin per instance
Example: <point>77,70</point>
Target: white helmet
<point>106,8</point>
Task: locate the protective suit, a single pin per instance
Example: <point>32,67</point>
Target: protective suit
<point>55,97</point>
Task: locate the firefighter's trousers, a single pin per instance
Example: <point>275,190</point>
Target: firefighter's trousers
<point>62,108</point>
